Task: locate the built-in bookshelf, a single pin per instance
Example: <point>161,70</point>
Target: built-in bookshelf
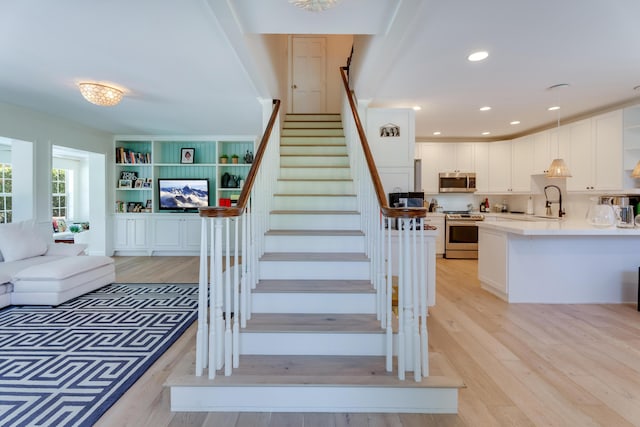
<point>140,161</point>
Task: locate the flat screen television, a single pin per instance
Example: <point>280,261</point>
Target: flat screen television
<point>182,195</point>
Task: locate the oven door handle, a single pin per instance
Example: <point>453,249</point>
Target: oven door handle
<point>467,223</point>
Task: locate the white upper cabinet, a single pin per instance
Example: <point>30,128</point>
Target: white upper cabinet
<point>456,157</point>
<point>542,155</point>
<point>595,156</point>
<point>482,167</point>
<point>607,134</point>
<point>521,164</point>
<point>500,167</point>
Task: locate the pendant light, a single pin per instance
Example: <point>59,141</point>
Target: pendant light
<point>635,173</point>
<point>558,168</point>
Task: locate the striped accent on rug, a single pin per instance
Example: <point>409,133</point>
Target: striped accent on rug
<point>66,365</point>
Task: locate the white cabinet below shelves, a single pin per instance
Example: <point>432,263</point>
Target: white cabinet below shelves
<point>176,233</point>
<point>131,233</point>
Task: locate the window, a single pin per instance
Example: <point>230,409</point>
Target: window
<point>59,192</point>
<point>6,188</point>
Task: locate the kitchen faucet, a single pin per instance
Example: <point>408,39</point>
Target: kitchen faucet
<point>549,202</point>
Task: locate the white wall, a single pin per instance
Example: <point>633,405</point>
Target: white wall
<point>43,132</point>
<point>393,155</point>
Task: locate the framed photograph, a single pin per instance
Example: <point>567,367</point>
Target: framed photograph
<point>148,206</point>
<point>124,183</point>
<point>138,183</point>
<point>186,155</point>
<point>147,183</point>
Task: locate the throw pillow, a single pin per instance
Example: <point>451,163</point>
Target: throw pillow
<point>21,240</point>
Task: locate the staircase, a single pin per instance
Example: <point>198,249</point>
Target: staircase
<point>313,343</point>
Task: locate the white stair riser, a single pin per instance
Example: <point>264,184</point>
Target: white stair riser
<point>312,117</point>
<point>315,187</point>
<point>311,124</point>
<point>338,303</point>
<point>316,244</point>
<point>314,222</point>
<point>349,203</point>
<point>310,398</point>
<point>312,343</point>
<point>306,150</point>
<point>311,140</point>
<point>314,270</point>
<point>312,132</point>
<point>315,172</point>
<point>301,161</point>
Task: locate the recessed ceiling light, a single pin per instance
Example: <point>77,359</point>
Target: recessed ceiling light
<point>636,87</point>
<point>478,56</point>
<point>554,108</point>
<point>437,133</point>
<point>486,133</point>
<point>515,122</point>
<point>417,108</point>
<point>487,108</point>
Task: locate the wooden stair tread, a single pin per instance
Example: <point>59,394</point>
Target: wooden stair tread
<point>314,286</point>
<point>314,155</point>
<point>312,195</point>
<point>314,256</point>
<point>313,323</point>
<point>313,212</point>
<point>317,179</point>
<point>358,371</point>
<point>314,233</point>
<point>315,166</point>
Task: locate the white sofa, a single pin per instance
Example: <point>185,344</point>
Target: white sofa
<point>36,272</point>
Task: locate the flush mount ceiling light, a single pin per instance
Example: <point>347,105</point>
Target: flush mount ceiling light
<point>478,56</point>
<point>100,94</point>
<point>558,168</point>
<point>487,108</point>
<point>515,122</point>
<point>314,5</point>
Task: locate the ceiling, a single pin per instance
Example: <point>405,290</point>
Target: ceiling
<point>188,69</point>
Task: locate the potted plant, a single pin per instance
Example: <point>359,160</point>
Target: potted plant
<point>234,158</point>
<point>224,158</point>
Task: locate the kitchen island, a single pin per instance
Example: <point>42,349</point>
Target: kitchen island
<point>558,262</point>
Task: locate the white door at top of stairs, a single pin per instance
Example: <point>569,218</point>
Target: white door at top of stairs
<point>308,75</point>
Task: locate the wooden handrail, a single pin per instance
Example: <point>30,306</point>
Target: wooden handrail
<point>227,212</point>
<point>371,164</point>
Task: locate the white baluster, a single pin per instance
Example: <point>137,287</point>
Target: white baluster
<point>416,298</point>
<point>424,303</point>
<point>203,301</point>
<point>389,302</point>
<point>227,303</point>
<point>401,304</point>
<point>236,296</point>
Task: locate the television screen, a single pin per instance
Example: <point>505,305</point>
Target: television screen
<point>182,194</point>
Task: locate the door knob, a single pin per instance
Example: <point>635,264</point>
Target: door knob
<point>294,86</point>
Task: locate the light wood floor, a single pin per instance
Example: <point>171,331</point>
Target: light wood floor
<point>524,364</point>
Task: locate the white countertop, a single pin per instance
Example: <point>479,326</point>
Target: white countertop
<point>555,228</point>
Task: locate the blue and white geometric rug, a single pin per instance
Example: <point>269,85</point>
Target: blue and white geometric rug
<point>66,365</point>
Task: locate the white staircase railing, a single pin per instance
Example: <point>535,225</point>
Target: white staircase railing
<point>227,275</point>
<point>413,292</point>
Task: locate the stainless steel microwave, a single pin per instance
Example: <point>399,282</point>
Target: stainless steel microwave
<point>457,182</point>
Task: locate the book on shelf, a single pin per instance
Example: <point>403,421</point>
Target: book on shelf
<point>126,156</point>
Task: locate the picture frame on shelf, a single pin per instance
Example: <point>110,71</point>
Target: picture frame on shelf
<point>130,175</point>
<point>187,155</point>
<point>138,183</point>
<point>148,205</point>
<point>147,183</point>
<point>124,183</point>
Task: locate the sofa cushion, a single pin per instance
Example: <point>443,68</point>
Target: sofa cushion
<point>62,268</point>
<point>21,240</point>
<point>10,269</point>
<point>65,249</point>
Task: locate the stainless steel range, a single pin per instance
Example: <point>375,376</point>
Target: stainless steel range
<point>461,235</point>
